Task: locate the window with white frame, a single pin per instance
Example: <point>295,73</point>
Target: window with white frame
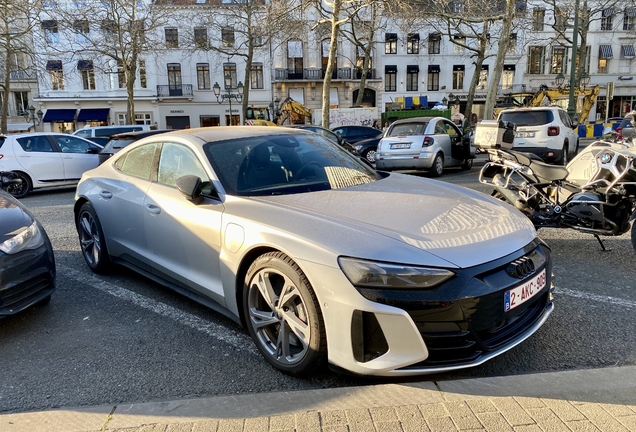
<point>413,43</point>
<point>607,19</point>
<point>229,69</point>
<point>559,60</point>
<point>390,43</point>
<point>538,19</point>
<point>629,20</point>
<point>508,77</point>
<point>434,43</point>
<point>256,76</point>
<point>390,78</point>
<point>143,118</point>
<point>433,78</point>
<point>227,38</point>
<point>143,79</point>
<point>56,74</point>
<point>87,72</point>
<point>51,32</point>
<point>203,76</point>
<point>458,77</point>
<point>412,77</point>
<point>536,56</point>
<point>458,46</point>
<point>172,37</point>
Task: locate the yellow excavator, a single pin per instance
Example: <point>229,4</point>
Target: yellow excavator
<point>293,111</point>
<point>546,96</point>
<point>589,97</point>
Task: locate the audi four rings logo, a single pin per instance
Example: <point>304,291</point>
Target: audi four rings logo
<point>521,268</point>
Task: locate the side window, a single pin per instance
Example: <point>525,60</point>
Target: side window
<point>439,128</point>
<point>84,133</point>
<point>35,144</point>
<point>71,144</point>
<point>177,160</point>
<point>139,162</point>
<point>450,130</point>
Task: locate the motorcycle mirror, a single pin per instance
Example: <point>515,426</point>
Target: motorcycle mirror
<point>607,131</point>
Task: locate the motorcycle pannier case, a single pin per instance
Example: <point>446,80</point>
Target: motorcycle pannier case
<point>493,134</point>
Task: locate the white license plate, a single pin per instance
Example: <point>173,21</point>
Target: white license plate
<point>400,146</point>
<point>524,134</point>
<point>521,294</point>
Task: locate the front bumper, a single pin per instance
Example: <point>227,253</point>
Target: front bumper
<point>27,278</point>
<point>457,325</point>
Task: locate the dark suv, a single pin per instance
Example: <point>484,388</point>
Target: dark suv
<point>119,141</point>
<point>353,134</point>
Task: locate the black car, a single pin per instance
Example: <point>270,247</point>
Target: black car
<point>27,264</point>
<point>353,134</point>
<point>367,148</point>
<point>121,140</point>
<point>327,134</point>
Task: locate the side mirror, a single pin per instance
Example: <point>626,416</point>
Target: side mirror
<point>628,132</point>
<point>607,131</point>
<point>190,187</point>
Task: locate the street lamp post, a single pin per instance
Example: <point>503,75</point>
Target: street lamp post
<point>575,40</point>
<point>31,115</point>
<point>228,95</point>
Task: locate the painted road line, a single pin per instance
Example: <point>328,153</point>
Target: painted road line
<point>232,337</point>
<point>597,298</point>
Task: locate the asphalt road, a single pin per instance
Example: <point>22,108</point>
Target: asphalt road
<point>122,338</point>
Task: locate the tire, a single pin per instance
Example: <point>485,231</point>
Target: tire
<point>265,315</point>
<point>576,148</point>
<point>467,164</point>
<point>20,190</point>
<point>564,158</point>
<point>369,155</point>
<point>438,166</point>
<point>634,235</point>
<point>92,241</point>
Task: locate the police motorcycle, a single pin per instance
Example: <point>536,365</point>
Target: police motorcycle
<point>595,193</point>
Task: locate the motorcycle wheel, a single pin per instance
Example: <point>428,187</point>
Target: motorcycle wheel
<point>634,235</point>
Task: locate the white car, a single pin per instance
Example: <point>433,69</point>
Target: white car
<point>547,132</point>
<point>428,143</point>
<point>46,160</point>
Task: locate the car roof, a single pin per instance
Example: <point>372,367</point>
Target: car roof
<point>356,126</point>
<point>543,108</point>
<point>29,134</point>
<point>417,120</point>
<point>223,133</point>
<point>140,134</point>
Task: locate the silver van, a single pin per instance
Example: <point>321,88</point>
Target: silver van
<point>97,131</point>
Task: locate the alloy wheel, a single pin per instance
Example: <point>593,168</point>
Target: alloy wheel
<point>90,239</point>
<point>279,317</point>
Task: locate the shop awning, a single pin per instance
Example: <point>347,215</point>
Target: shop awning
<point>390,68</point>
<point>93,114</point>
<point>628,51</point>
<point>54,65</point>
<point>59,115</point>
<point>605,51</point>
<point>509,67</point>
<point>433,69</point>
<point>412,69</point>
<point>459,68</point>
<point>19,127</point>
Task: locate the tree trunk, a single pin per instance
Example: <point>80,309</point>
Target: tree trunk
<point>502,49</point>
<point>481,56</point>
<point>367,56</point>
<point>331,63</point>
<point>131,75</point>
<point>5,92</point>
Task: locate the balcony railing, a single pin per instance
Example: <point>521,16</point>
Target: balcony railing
<point>371,74</point>
<point>181,90</point>
<point>314,74</point>
<point>515,88</point>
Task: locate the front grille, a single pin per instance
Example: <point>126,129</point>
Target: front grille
<point>464,318</point>
<point>14,296</point>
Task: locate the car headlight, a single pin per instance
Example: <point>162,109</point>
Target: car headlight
<point>373,274</point>
<point>358,147</point>
<point>30,238</point>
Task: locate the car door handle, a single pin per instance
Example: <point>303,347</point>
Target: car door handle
<point>105,194</point>
<point>153,209</point>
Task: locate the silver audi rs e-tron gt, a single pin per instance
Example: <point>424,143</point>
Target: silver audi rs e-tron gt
<point>318,255</point>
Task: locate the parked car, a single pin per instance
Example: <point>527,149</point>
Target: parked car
<point>427,143</point>
<point>626,128</point>
<point>27,263</point>
<point>353,134</point>
<point>119,141</point>
<point>368,148</point>
<point>321,257</point>
<point>327,134</point>
<point>547,132</point>
<point>107,131</point>
<point>46,159</point>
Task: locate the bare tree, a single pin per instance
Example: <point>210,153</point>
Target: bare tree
<point>243,28</point>
<point>114,35</point>
<point>16,43</point>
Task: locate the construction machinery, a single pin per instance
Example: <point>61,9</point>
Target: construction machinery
<point>293,111</point>
<point>547,96</point>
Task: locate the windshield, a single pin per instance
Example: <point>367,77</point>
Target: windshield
<point>285,164</point>
<point>407,129</point>
<point>528,118</point>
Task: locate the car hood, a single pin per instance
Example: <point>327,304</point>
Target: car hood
<point>12,217</point>
<point>458,225</point>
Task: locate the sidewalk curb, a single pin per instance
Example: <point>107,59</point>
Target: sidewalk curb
<point>615,385</point>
